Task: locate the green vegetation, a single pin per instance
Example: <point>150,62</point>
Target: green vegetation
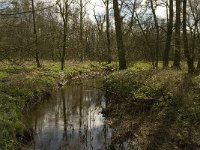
<point>168,97</point>
<point>21,87</point>
<point>139,83</point>
<point>166,85</point>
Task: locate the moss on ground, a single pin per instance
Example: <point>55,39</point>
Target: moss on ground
<point>166,100</point>
<point>21,85</point>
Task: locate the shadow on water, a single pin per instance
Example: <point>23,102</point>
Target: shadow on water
<point>71,119</point>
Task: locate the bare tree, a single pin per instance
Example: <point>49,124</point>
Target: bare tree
<point>190,61</point>
<point>100,20</point>
<point>106,3</point>
<point>36,36</point>
<point>64,12</point>
<point>169,35</point>
<point>81,29</point>
<point>153,9</point>
<point>177,56</point>
<point>194,29</point>
<point>119,35</point>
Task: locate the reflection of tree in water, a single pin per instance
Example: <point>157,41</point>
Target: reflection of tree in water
<point>88,101</point>
<point>71,119</point>
<point>64,114</point>
<point>80,113</point>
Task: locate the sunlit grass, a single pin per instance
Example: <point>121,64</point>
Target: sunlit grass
<point>25,83</point>
<point>140,82</point>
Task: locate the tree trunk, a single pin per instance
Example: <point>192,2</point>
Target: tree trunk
<point>190,61</point>
<point>108,31</point>
<point>64,47</point>
<point>81,30</point>
<point>157,35</point>
<point>64,14</point>
<point>177,56</point>
<point>169,36</point>
<point>36,37</point>
<point>198,65</point>
<point>119,36</point>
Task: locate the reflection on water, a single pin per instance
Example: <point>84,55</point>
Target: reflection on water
<point>71,119</point>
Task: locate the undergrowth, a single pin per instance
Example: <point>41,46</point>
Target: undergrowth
<point>19,85</point>
<point>172,92</point>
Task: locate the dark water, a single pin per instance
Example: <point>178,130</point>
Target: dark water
<point>71,119</point>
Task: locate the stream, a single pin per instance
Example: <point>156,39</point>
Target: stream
<point>71,119</point>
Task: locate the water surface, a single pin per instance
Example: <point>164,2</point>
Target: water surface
<point>71,119</point>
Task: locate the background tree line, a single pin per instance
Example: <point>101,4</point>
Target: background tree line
<point>127,30</point>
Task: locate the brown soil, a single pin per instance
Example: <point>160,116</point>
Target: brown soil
<point>148,131</point>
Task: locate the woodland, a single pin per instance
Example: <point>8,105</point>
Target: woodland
<point>146,51</point>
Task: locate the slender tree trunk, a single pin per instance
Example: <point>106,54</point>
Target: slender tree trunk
<point>198,36</point>
<point>81,30</point>
<point>167,10</point>
<point>119,36</point>
<point>190,61</point>
<point>169,36</point>
<point>177,56</point>
<point>64,14</point>
<point>64,47</point>
<point>157,35</point>
<point>36,37</point>
<point>108,31</point>
<point>198,65</point>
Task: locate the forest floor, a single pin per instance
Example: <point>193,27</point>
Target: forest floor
<point>154,109</point>
<point>22,87</point>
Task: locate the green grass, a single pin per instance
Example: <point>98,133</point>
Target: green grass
<point>174,90</point>
<point>10,121</point>
<point>3,74</point>
<point>25,83</point>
